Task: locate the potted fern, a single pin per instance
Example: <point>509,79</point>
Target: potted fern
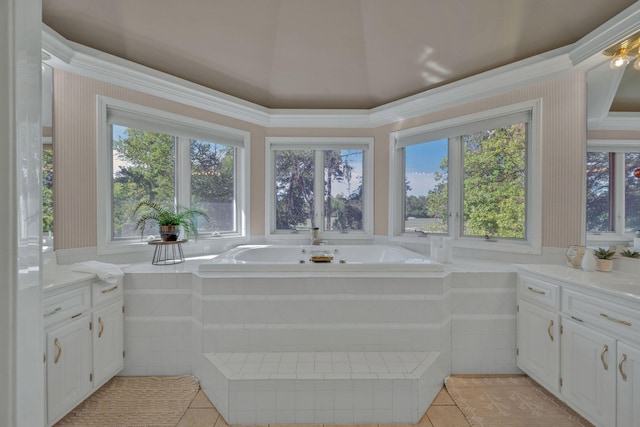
<point>169,220</point>
<point>604,259</point>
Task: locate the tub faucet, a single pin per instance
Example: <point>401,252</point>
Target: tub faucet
<point>315,239</point>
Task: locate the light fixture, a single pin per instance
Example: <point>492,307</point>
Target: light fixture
<point>620,59</point>
<point>624,52</point>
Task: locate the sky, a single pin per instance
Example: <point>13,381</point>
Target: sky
<point>422,161</point>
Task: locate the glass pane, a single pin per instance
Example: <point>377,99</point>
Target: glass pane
<point>494,182</point>
<point>426,187</point>
<point>599,218</point>
<point>47,194</point>
<point>294,171</point>
<point>212,186</point>
<point>632,192</point>
<point>143,169</point>
<point>343,182</point>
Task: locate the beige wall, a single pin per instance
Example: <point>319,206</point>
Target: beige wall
<point>563,136</point>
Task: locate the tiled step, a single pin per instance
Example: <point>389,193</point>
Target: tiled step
<point>322,387</point>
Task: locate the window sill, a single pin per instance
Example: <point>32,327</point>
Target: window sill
<point>474,244</point>
<point>202,246</point>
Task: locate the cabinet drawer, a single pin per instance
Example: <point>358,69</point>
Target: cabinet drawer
<point>66,305</point>
<point>538,291</point>
<point>105,292</point>
<point>617,319</point>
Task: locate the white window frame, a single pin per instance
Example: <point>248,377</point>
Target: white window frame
<point>319,143</point>
<point>207,131</point>
<point>532,244</point>
<point>619,147</point>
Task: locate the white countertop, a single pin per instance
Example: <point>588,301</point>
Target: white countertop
<point>614,283</point>
<point>61,275</point>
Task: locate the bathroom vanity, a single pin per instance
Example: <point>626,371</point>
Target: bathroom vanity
<point>578,336</point>
<point>84,338</point>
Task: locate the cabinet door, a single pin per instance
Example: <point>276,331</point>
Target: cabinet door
<point>68,367</point>
<point>539,345</point>
<point>628,385</point>
<point>108,342</point>
<point>589,372</point>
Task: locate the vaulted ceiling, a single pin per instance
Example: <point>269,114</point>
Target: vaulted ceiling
<point>326,53</point>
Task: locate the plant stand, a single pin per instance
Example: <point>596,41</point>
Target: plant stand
<point>167,253</point>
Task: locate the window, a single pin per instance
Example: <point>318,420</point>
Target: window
<point>612,191</point>
<point>471,178</point>
<point>172,160</point>
<point>319,182</point>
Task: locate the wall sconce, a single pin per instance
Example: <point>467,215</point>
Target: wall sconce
<point>620,59</point>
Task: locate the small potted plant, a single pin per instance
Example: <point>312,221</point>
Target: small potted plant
<point>604,259</point>
<point>169,220</point>
<point>629,253</point>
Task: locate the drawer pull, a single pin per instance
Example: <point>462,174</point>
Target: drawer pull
<point>549,329</point>
<point>101,323</point>
<point>535,291</point>
<point>604,364</point>
<point>52,312</point>
<point>622,374</point>
<point>613,319</point>
<point>59,347</point>
<point>106,291</point>
<point>577,320</point>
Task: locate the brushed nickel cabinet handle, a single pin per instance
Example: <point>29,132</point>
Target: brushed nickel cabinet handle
<point>604,350</point>
<point>101,323</point>
<point>106,291</point>
<point>535,291</point>
<point>613,319</point>
<point>549,329</point>
<point>52,312</point>
<point>622,374</point>
<point>59,353</point>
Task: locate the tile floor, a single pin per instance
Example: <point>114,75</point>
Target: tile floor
<point>443,412</point>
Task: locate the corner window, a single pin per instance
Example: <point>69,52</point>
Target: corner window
<point>172,160</point>
<point>473,178</point>
<point>612,191</point>
<point>319,182</point>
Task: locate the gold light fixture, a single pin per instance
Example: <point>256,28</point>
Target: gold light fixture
<point>620,59</point>
<point>624,52</point>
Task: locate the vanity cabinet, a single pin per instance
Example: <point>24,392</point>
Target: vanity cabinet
<point>593,361</point>
<point>68,366</point>
<point>589,372</point>
<point>84,334</point>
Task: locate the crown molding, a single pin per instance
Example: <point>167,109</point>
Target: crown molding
<point>615,121</point>
<point>614,30</point>
<point>92,63</point>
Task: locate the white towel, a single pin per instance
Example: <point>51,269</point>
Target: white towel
<point>109,273</point>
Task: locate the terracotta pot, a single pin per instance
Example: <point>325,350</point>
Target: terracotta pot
<point>169,233</point>
<point>605,265</point>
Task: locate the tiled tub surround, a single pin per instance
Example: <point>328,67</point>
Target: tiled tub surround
<point>458,321</point>
<point>330,335</point>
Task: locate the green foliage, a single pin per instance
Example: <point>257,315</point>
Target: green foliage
<point>145,170</point>
<point>602,253</point>
<point>47,190</point>
<point>178,216</point>
<point>494,184</point>
<point>629,253</point>
<point>294,188</point>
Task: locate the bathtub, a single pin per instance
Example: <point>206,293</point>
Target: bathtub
<point>330,258</point>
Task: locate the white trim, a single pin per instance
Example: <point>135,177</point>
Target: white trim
<point>92,63</point>
<point>615,29</point>
<point>364,143</point>
<point>104,175</point>
<point>533,243</point>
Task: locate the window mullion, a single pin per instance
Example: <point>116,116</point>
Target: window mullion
<point>318,190</point>
<point>456,179</point>
<point>183,171</point>
<point>618,195</point>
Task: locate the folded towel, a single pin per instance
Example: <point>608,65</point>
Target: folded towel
<point>109,273</point>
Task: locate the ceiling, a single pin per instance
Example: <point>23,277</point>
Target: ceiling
<point>326,53</point>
